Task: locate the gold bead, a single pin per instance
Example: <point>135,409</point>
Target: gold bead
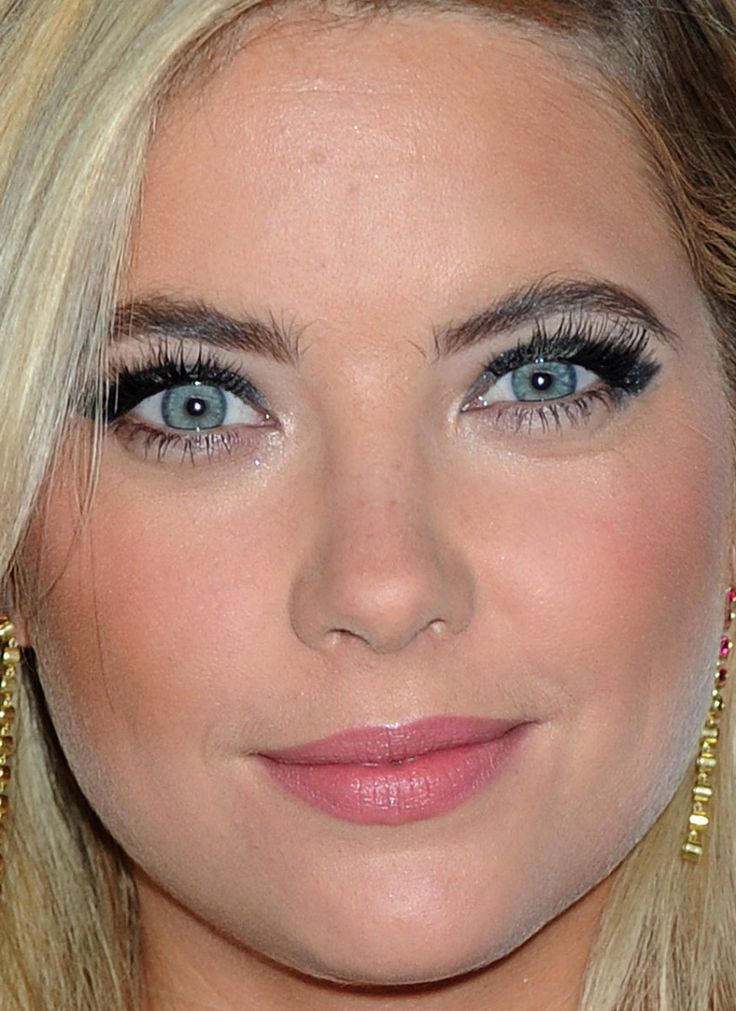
<point>691,851</point>
<point>706,762</point>
<point>704,793</point>
<point>11,655</point>
<point>699,820</point>
<point>11,658</point>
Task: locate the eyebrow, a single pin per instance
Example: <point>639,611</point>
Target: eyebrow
<point>550,297</point>
<point>197,321</point>
<point>533,303</point>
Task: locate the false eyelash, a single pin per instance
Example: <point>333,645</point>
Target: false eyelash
<point>614,349</point>
<point>166,367</point>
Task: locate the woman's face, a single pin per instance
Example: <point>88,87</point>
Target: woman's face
<point>418,458</point>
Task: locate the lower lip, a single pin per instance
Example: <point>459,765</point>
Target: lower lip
<point>394,794</point>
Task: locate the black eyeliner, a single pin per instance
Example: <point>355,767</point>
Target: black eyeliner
<point>617,353</point>
<point>131,385</point>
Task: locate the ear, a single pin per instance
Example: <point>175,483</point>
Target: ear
<point>10,606</point>
<point>20,625</point>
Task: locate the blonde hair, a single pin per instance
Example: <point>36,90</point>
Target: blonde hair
<point>82,83</point>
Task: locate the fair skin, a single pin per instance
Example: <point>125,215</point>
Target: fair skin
<point>381,547</point>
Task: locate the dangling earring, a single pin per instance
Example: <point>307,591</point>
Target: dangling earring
<point>10,660</point>
<point>706,760</point>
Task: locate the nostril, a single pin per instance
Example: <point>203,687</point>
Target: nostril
<point>438,627</point>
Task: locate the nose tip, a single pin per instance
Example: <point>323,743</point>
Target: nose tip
<point>387,624</point>
<point>384,582</point>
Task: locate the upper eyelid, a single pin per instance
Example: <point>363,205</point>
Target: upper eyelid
<point>162,359</point>
<point>586,334</point>
<point>620,352</point>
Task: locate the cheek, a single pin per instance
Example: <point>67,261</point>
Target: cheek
<point>608,575</point>
<point>162,620</point>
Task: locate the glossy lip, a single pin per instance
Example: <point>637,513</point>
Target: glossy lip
<point>396,773</point>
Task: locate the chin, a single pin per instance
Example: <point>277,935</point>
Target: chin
<point>376,960</point>
<point>390,974</point>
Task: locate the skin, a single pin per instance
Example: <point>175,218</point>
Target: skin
<point>376,554</point>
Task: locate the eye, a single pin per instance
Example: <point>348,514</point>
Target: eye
<point>536,382</point>
<point>196,407</point>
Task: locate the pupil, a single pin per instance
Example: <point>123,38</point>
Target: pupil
<point>196,407</point>
<point>542,381</point>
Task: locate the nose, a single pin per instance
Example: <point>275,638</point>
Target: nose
<point>380,569</point>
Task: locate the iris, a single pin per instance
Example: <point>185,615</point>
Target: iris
<point>194,407</point>
<point>544,382</point>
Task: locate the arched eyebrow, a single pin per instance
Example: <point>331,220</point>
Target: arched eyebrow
<point>162,317</point>
<point>546,298</point>
<point>534,303</point>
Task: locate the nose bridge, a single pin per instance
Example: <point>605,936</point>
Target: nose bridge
<point>380,569</point>
<point>380,524</point>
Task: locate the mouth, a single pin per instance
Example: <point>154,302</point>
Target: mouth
<point>397,773</point>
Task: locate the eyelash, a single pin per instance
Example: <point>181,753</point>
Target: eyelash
<point>616,351</point>
<point>168,368</point>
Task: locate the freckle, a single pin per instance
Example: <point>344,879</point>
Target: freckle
<point>317,156</point>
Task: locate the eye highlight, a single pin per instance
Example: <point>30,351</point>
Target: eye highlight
<point>559,378</point>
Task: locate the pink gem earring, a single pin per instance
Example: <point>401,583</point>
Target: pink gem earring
<point>706,761</point>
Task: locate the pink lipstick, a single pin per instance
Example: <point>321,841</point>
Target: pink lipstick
<point>390,775</point>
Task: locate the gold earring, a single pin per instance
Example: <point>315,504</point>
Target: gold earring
<point>706,761</point>
<point>10,661</point>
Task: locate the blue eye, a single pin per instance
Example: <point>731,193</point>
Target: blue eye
<point>196,407</point>
<point>537,382</point>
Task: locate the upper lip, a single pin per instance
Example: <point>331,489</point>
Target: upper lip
<point>391,743</point>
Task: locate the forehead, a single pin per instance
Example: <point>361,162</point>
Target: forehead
<point>362,156</point>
